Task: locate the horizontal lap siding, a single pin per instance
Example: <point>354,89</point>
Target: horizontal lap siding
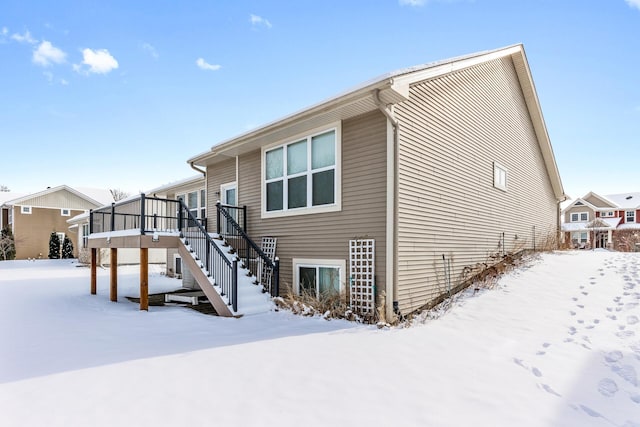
<point>327,235</point>
<point>218,174</point>
<point>452,129</point>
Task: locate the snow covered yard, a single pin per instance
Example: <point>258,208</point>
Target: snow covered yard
<point>555,344</point>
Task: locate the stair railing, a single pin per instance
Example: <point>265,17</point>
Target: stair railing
<point>252,257</point>
<point>209,255</point>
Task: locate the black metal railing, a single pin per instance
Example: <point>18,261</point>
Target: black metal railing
<point>151,214</point>
<point>252,257</point>
<point>211,258</point>
<point>147,214</point>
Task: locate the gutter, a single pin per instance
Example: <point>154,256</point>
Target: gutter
<point>392,210</point>
<point>194,167</point>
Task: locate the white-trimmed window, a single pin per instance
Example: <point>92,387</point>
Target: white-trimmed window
<point>606,213</point>
<point>65,212</point>
<point>319,277</point>
<point>25,210</point>
<point>579,216</point>
<point>85,236</point>
<point>302,176</point>
<point>630,216</point>
<point>579,237</point>
<point>499,176</point>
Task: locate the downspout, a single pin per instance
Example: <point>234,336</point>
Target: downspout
<point>392,199</point>
<point>194,167</point>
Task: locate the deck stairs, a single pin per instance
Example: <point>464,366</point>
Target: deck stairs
<point>251,297</point>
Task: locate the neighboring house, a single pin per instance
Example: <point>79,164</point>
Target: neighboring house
<point>400,189</point>
<point>33,217</point>
<point>609,221</point>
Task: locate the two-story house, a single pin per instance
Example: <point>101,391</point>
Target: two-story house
<point>609,221</point>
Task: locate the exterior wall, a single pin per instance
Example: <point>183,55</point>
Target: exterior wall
<point>595,201</point>
<point>578,210</point>
<point>452,130</point>
<point>32,231</point>
<point>222,173</point>
<point>321,235</point>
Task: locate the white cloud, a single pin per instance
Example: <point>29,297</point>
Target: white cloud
<point>23,38</point>
<point>98,61</point>
<point>47,54</point>
<point>414,3</point>
<point>634,3</point>
<point>257,21</point>
<point>150,50</point>
<point>204,65</point>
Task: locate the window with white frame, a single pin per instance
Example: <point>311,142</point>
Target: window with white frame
<point>630,216</point>
<point>303,175</point>
<point>25,210</point>
<point>579,237</point>
<point>203,204</point>
<point>584,216</point>
<point>606,214</point>
<point>499,176</point>
<point>65,212</point>
<point>85,236</point>
<point>317,278</point>
<point>575,217</point>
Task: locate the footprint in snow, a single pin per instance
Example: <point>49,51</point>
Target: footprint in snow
<point>549,390</point>
<point>607,387</point>
<point>546,345</point>
<point>625,334</point>
<point>580,321</point>
<point>613,356</point>
<point>580,305</point>
<point>632,320</point>
<point>635,397</point>
<point>627,373</point>
<point>573,313</point>
<point>581,286</point>
<point>572,330</point>
<point>574,298</point>
<point>609,309</point>
<point>585,293</point>
<point>596,321</point>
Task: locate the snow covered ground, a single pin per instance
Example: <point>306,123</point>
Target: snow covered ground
<point>554,344</point>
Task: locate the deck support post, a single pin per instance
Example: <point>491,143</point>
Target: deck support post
<point>113,292</point>
<point>94,277</point>
<point>144,279</point>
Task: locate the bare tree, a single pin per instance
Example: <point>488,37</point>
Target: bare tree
<point>118,194</point>
<point>4,189</point>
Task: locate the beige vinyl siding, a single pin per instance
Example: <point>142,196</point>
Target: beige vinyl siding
<point>218,174</point>
<point>452,130</point>
<point>327,235</point>
<point>32,231</point>
<point>59,199</point>
<point>579,209</point>
<point>596,201</point>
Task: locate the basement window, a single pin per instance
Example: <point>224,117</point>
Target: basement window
<point>318,277</point>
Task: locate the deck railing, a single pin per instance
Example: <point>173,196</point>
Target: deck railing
<point>253,258</point>
<point>147,214</point>
<point>152,214</point>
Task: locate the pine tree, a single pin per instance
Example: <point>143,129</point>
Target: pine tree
<point>54,246</point>
<point>67,248</point>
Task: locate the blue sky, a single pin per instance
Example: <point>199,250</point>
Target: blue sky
<point>120,94</point>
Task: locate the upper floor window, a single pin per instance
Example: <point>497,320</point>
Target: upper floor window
<point>630,216</point>
<point>579,216</point>
<point>499,176</point>
<point>65,212</point>
<point>303,176</point>
<point>606,214</point>
<point>25,210</point>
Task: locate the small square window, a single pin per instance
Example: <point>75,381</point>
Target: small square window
<point>25,210</point>
<point>499,176</point>
<point>65,212</point>
<point>584,216</point>
<point>574,217</point>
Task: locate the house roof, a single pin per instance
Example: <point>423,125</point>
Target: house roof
<point>601,224</point>
<point>613,201</point>
<point>99,197</point>
<point>579,202</point>
<point>625,200</point>
<point>179,183</point>
<point>391,88</point>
